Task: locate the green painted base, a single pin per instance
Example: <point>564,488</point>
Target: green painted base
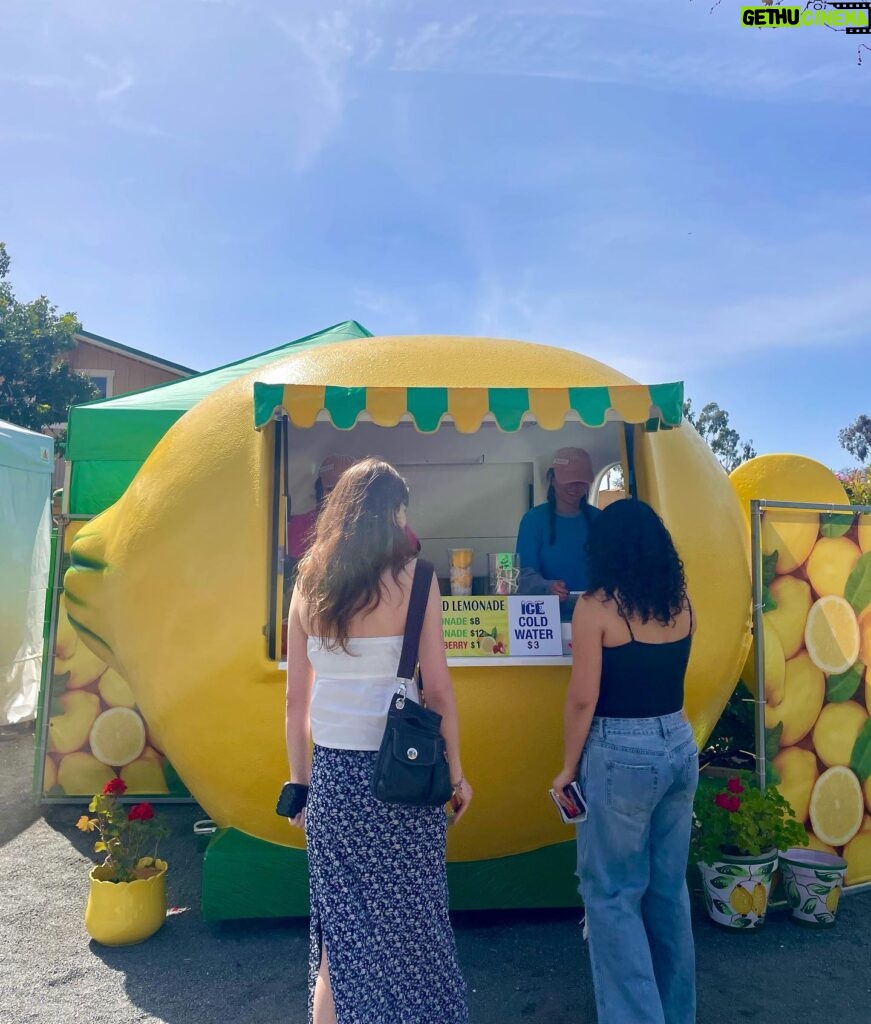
<point>244,877</point>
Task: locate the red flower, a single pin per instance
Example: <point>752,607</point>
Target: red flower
<point>728,803</point>
<point>734,785</point>
<point>140,812</point>
<point>115,787</point>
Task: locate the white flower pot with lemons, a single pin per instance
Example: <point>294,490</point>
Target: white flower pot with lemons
<point>737,829</point>
<point>812,881</point>
<point>736,889</point>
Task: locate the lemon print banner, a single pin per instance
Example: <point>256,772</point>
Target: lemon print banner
<point>657,406</point>
<point>91,728</point>
<point>815,563</point>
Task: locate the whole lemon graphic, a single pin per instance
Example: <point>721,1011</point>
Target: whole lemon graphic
<point>775,665</point>
<point>741,901</point>
<point>789,618</point>
<point>790,532</point>
<point>830,564</point>
<point>833,899</point>
<point>804,691</point>
<point>857,854</point>
<point>171,590</point>
<point>760,899</point>
<point>836,731</point>
<point>798,772</point>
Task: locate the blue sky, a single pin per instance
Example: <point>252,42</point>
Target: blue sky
<point>645,181</point>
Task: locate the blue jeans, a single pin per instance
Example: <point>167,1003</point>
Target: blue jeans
<point>639,776</point>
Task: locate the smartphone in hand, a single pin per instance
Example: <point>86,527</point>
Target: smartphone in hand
<point>578,807</point>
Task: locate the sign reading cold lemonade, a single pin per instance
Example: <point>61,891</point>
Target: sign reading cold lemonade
<point>484,626</point>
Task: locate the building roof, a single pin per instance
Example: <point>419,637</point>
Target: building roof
<point>134,353</point>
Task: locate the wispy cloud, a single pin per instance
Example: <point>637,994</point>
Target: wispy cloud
<point>328,45</point>
<point>121,80</point>
<point>653,46</point>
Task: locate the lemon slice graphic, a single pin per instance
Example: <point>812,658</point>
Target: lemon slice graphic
<point>837,806</point>
<point>831,635</point>
<point>118,736</point>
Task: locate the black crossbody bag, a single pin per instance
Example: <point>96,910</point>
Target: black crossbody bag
<point>412,763</point>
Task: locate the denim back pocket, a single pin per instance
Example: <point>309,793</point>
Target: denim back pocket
<point>632,788</point>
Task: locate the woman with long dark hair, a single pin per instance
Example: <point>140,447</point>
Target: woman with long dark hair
<point>382,948</point>
<point>552,536</point>
<point>630,746</point>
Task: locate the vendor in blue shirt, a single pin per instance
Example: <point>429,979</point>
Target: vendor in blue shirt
<point>551,537</point>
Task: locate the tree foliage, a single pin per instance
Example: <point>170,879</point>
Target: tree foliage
<point>37,387</point>
<point>725,442</point>
<point>856,438</point>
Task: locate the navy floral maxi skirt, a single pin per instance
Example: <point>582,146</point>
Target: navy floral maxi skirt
<point>379,900</point>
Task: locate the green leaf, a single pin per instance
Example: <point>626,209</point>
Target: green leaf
<point>835,524</point>
<point>844,686</point>
<point>860,761</point>
<point>722,907</point>
<point>742,922</point>
<point>768,602</point>
<point>772,775</point>
<point>809,906</point>
<point>792,894</point>
<point>769,564</point>
<point>56,708</point>
<point>858,588</point>
<point>772,740</point>
<point>828,876</point>
<point>819,890</point>
<point>824,918</point>
<point>720,882</point>
<point>731,869</point>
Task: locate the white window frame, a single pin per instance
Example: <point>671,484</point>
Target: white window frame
<point>108,374</point>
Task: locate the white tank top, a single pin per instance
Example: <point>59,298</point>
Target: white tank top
<point>352,690</point>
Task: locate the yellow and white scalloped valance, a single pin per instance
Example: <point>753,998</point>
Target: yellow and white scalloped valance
<point>654,405</point>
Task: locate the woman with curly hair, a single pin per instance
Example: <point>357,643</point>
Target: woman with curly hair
<point>630,746</point>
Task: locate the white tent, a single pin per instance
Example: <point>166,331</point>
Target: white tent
<point>26,463</point>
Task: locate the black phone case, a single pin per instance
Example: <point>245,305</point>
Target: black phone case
<point>291,800</point>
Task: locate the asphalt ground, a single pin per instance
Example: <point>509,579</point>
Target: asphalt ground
<point>519,967</point>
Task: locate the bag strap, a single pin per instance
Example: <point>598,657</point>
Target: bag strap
<point>420,584</point>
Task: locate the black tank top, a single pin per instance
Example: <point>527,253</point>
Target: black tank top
<point>641,680</point>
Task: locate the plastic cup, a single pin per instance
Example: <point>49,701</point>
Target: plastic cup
<point>461,581</point>
<point>504,572</point>
<point>460,558</point>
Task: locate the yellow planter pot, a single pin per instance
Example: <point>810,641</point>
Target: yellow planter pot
<point>124,913</point>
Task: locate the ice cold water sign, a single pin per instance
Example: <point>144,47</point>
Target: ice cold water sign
<point>534,625</point>
<point>491,626</point>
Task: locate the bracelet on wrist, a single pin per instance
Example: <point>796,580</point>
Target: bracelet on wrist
<point>456,785</point>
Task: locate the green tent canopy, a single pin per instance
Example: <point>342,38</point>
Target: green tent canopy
<point>110,439</point>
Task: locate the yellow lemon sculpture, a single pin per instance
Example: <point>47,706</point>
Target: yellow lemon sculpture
<point>169,587</point>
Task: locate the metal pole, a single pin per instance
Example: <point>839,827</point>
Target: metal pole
<point>758,636</point>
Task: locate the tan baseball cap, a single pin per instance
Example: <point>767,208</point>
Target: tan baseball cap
<point>571,466</point>
<point>332,468</point>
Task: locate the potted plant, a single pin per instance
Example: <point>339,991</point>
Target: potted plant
<point>737,831</point>
<point>127,898</point>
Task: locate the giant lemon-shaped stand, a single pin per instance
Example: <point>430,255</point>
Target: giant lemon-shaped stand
<point>169,587</point>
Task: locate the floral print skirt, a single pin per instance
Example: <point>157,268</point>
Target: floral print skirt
<point>379,900</point>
